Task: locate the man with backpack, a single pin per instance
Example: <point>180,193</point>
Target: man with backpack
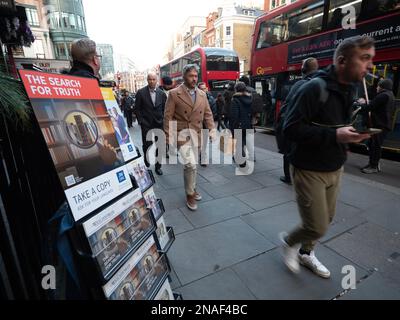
<point>308,70</point>
<point>318,124</point>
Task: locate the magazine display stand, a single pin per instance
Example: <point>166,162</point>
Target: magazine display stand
<point>119,236</point>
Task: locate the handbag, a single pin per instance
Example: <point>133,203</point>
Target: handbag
<point>227,144</point>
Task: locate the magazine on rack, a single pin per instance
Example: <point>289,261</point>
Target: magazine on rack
<point>81,139</point>
<point>165,292</point>
<point>162,233</point>
<point>139,276</point>
<point>115,231</point>
<point>154,204</point>
<point>139,171</point>
<point>121,129</point>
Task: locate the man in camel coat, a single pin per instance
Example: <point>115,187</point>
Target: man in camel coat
<point>186,110</point>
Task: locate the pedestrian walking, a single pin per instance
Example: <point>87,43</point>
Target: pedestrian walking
<point>308,70</point>
<point>186,110</point>
<point>220,106</point>
<point>380,108</point>
<point>317,126</point>
<point>203,156</point>
<point>149,109</point>
<point>127,106</point>
<point>240,119</point>
<point>228,93</point>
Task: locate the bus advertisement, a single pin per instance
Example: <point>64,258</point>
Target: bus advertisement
<point>284,37</point>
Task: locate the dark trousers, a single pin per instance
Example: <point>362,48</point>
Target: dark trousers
<point>286,166</point>
<point>375,148</point>
<point>146,145</point>
<point>226,122</point>
<point>219,118</point>
<point>128,115</point>
<point>240,149</point>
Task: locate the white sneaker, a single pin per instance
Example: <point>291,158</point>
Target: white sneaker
<point>311,262</point>
<point>290,254</point>
<point>197,196</point>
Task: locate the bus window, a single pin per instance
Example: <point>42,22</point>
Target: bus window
<point>222,63</point>
<point>165,71</point>
<point>335,11</point>
<point>272,32</point>
<point>374,8</point>
<point>218,85</point>
<point>175,67</point>
<point>305,21</point>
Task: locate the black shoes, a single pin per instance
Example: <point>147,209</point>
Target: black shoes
<point>159,171</point>
<point>285,180</point>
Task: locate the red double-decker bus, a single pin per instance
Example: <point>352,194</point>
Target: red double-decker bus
<point>217,66</point>
<point>313,28</point>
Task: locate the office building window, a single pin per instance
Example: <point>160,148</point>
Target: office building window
<point>55,20</point>
<point>72,21</point>
<point>32,16</point>
<point>60,50</point>
<point>65,19</point>
<point>83,24</point>
<point>228,30</point>
<point>79,19</point>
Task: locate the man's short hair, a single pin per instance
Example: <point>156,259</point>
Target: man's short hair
<point>83,49</point>
<point>386,84</point>
<point>190,67</point>
<point>309,65</point>
<point>245,79</point>
<point>347,47</point>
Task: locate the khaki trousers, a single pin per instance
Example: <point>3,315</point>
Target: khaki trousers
<point>316,195</point>
<point>189,159</point>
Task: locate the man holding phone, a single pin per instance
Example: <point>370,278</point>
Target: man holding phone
<point>315,125</point>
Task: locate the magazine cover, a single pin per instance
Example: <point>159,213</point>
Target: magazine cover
<point>139,171</point>
<point>121,129</point>
<point>113,232</point>
<point>162,233</point>
<point>139,275</point>
<point>80,137</point>
<point>152,203</point>
<point>165,292</point>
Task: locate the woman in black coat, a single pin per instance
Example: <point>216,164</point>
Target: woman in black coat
<point>240,118</point>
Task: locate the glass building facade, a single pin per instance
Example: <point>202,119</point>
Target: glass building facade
<point>66,20</point>
<point>107,59</point>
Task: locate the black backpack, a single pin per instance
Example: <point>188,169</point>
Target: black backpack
<point>281,141</point>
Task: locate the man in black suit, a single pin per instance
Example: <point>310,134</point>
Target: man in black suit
<point>149,109</point>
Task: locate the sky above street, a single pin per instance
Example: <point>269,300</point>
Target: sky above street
<point>142,29</point>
